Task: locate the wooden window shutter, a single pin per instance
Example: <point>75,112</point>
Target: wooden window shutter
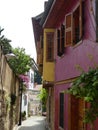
<point>74,113</point>
<point>49,46</point>
<point>81,18</point>
<point>68,30</point>
<point>61,40</point>
<point>61,110</point>
<point>81,113</point>
<point>78,21</point>
<point>58,42</point>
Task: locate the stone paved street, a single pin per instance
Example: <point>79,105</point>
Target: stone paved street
<point>33,123</point>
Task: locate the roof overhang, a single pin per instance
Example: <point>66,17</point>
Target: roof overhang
<point>37,28</point>
<point>57,12</point>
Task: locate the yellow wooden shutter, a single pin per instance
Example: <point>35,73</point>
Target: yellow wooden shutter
<point>68,30</point>
<point>50,46</point>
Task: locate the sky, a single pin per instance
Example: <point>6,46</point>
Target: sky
<point>15,18</point>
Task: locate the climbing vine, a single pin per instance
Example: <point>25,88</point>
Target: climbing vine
<point>86,87</point>
<point>43,97</point>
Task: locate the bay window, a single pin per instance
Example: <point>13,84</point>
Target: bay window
<point>49,46</point>
<point>74,24</point>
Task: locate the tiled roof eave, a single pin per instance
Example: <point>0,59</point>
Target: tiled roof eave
<point>46,12</point>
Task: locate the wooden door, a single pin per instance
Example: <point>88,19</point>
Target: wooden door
<point>81,114</point>
<point>77,113</point>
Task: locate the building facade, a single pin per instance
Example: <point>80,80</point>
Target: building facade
<point>9,95</point>
<point>70,37</point>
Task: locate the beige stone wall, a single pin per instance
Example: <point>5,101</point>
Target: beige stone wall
<point>9,84</point>
<point>34,101</point>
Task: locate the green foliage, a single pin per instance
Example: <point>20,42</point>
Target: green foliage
<point>7,102</point>
<point>86,87</point>
<point>43,97</point>
<point>5,43</point>
<point>22,63</point>
<point>23,115</point>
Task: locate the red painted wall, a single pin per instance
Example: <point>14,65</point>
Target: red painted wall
<point>84,55</point>
<point>81,54</point>
<point>58,89</point>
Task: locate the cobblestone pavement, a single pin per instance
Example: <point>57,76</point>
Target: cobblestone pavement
<point>32,123</point>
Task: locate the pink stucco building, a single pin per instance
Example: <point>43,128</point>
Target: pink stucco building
<point>75,48</point>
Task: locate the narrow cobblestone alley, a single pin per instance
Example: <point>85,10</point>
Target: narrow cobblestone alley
<point>32,123</point>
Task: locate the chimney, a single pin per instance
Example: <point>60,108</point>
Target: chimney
<point>45,5</point>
